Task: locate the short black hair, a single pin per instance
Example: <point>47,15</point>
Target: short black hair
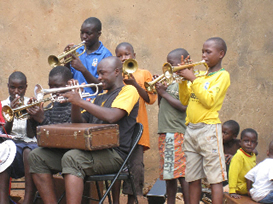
<point>18,75</point>
<point>234,125</point>
<point>249,130</point>
<point>95,21</point>
<point>178,52</point>
<point>61,70</point>
<point>220,43</point>
<point>125,44</point>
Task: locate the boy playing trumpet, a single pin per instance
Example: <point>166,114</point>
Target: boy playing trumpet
<point>125,51</point>
<point>203,137</point>
<point>23,138</point>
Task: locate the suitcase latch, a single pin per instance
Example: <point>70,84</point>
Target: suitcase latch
<point>46,132</point>
<point>76,134</point>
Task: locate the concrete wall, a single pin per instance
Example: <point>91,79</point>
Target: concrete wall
<point>31,30</point>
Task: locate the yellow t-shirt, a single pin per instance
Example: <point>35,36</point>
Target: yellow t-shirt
<point>126,99</point>
<point>240,164</point>
<point>204,97</point>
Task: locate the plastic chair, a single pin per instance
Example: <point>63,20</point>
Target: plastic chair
<point>123,173</point>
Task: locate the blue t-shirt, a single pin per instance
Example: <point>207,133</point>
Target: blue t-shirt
<point>90,61</point>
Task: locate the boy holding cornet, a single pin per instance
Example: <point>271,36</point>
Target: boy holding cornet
<point>203,137</point>
<point>24,140</point>
<point>84,67</point>
<point>125,51</point>
<point>171,130</point>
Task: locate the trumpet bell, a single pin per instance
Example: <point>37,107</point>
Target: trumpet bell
<point>129,67</point>
<point>7,113</point>
<point>38,92</point>
<point>53,61</point>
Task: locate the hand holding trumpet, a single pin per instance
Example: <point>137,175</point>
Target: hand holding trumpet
<point>72,96</point>
<point>36,112</point>
<point>130,80</point>
<point>187,73</point>
<point>16,101</point>
<point>75,61</point>
<point>161,88</point>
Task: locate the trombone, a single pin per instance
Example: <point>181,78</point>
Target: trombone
<point>169,72</point>
<point>129,67</point>
<point>54,61</point>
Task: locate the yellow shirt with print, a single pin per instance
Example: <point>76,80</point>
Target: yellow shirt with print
<point>204,97</point>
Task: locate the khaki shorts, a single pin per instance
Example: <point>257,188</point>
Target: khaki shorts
<point>203,146</point>
<point>76,162</point>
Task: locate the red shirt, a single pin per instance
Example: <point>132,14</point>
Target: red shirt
<point>2,121</point>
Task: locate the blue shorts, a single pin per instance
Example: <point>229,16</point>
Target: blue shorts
<point>268,198</point>
<point>16,169</point>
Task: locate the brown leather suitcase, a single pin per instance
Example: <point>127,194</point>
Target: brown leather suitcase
<point>84,136</point>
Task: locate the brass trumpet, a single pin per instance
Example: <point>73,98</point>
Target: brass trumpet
<point>42,92</point>
<point>168,74</point>
<point>129,67</point>
<point>20,112</point>
<point>54,61</point>
<point>150,86</point>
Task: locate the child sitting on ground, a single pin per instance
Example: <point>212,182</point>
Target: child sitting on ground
<point>230,131</point>
<point>242,162</point>
<point>260,179</point>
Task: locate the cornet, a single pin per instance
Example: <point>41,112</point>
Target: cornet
<point>54,61</point>
<point>168,74</point>
<point>20,112</point>
<point>129,67</point>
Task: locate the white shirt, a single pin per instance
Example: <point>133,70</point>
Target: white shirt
<point>262,178</point>
<point>19,128</point>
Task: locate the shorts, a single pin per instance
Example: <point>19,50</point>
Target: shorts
<point>268,198</point>
<point>76,162</point>
<point>172,163</point>
<point>203,147</point>
<point>16,169</point>
<point>137,170</point>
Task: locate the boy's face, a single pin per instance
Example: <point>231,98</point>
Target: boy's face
<point>211,53</point>
<point>228,134</point>
<point>249,142</point>
<point>124,53</point>
<point>56,81</point>
<point>90,34</point>
<point>17,86</point>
